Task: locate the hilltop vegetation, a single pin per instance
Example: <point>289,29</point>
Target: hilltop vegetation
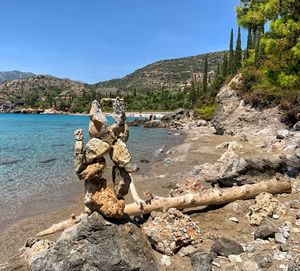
<point>271,66</point>
<point>171,74</point>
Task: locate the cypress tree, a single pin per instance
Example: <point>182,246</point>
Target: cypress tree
<point>205,73</point>
<point>238,52</point>
<point>218,70</point>
<point>257,56</point>
<point>225,65</point>
<point>231,54</point>
<point>249,43</point>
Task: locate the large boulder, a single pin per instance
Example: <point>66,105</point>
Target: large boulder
<point>96,244</point>
<point>154,124</point>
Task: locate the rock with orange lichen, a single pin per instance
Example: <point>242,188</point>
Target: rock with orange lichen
<point>102,199</point>
<point>106,202</point>
<point>93,171</point>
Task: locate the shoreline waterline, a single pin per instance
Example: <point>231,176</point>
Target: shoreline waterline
<point>50,193</point>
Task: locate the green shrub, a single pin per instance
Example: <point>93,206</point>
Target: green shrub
<point>207,111</point>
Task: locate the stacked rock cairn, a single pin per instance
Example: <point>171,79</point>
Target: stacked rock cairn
<point>90,162</point>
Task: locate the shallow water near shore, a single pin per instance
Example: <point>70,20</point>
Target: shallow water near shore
<point>36,161</point>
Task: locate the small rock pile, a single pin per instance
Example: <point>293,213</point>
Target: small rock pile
<point>90,163</point>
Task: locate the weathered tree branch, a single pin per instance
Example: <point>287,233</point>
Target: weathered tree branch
<point>210,197</point>
<point>62,225</point>
<point>203,198</point>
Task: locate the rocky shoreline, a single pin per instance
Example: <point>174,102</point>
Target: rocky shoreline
<point>241,147</point>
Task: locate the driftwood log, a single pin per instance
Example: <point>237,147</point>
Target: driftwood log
<point>210,197</point>
<point>203,198</point>
<point>62,225</point>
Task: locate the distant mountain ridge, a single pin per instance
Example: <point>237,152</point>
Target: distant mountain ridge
<point>14,75</point>
<point>170,73</point>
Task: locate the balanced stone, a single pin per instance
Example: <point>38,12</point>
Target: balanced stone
<point>95,149</point>
<point>120,154</point>
<point>78,134</point>
<point>121,180</point>
<point>93,171</point>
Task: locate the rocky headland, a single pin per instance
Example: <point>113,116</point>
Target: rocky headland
<point>243,147</point>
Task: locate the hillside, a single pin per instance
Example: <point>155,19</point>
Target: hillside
<point>41,91</point>
<point>39,85</point>
<point>13,75</point>
<point>170,73</point>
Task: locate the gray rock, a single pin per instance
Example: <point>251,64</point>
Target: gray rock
<point>93,245</point>
<point>233,116</point>
<point>298,215</point>
<point>167,117</point>
<point>294,267</point>
<point>282,134</point>
<point>279,238</point>
<point>202,261</point>
<point>296,127</point>
<point>226,247</point>
<point>201,123</point>
<point>263,259</point>
<point>266,230</point>
<point>284,247</point>
<point>154,124</point>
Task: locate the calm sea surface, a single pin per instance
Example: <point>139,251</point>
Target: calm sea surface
<point>36,154</point>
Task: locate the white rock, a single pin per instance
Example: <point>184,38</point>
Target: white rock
<point>235,258</point>
<point>233,219</point>
<point>165,260</point>
<point>281,134</point>
<point>279,238</point>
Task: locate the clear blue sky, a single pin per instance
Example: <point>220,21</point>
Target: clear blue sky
<point>95,40</point>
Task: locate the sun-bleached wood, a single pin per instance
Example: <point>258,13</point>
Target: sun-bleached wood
<point>203,198</point>
<point>209,197</point>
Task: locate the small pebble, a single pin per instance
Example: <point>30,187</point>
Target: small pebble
<point>233,219</point>
<point>279,238</point>
<point>284,247</point>
<point>216,264</point>
<point>235,258</point>
<point>275,216</point>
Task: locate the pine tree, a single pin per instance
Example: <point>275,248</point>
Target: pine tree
<point>231,54</point>
<point>205,73</point>
<point>238,53</point>
<point>225,65</point>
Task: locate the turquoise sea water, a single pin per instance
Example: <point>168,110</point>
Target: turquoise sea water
<point>36,153</point>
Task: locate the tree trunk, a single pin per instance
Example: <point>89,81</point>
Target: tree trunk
<point>209,197</point>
